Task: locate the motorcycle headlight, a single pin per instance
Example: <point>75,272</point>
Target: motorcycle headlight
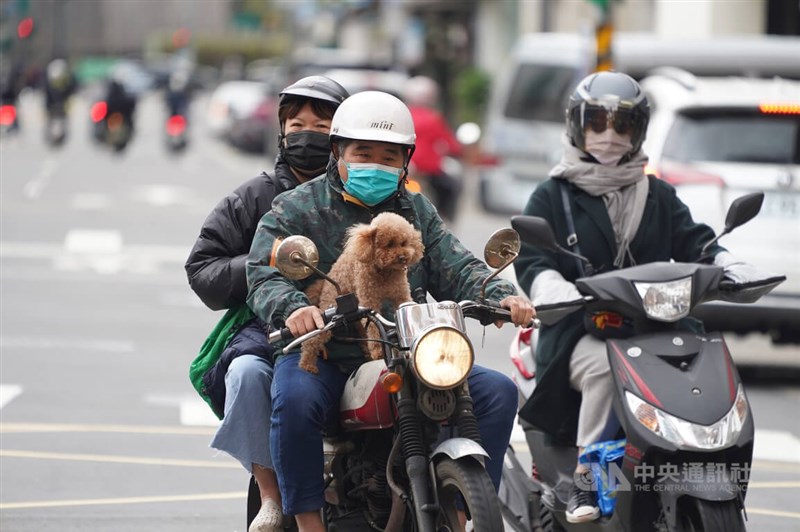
<point>682,433</point>
<point>668,301</point>
<point>442,357</point>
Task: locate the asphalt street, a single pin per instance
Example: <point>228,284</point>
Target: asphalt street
<point>100,429</point>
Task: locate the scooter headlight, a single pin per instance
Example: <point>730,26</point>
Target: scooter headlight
<point>668,301</point>
<point>682,433</point>
<point>442,357</point>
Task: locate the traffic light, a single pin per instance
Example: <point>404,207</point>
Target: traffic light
<point>25,28</point>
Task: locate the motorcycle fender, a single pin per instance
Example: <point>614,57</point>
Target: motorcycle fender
<point>671,491</point>
<point>456,448</point>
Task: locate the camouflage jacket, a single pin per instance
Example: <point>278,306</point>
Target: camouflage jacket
<point>322,211</point>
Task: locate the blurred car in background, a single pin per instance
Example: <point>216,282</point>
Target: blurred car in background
<point>238,109</point>
<point>716,139</point>
<point>134,76</point>
<point>361,79</point>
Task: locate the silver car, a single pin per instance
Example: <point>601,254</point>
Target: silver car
<point>716,139</point>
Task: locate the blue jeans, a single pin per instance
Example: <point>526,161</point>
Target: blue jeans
<point>304,404</point>
<point>245,430</point>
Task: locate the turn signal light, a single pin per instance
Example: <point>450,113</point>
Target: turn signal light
<point>391,382</point>
<point>780,108</point>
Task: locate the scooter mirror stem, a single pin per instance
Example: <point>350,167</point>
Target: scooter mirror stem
<point>512,257</point>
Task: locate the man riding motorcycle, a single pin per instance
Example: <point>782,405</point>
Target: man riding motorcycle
<point>373,138</point>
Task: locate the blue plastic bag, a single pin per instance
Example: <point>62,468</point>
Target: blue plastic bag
<point>600,456</point>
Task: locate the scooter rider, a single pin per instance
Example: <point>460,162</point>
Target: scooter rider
<point>373,137</point>
<point>602,205</point>
<point>238,383</point>
<point>59,86</point>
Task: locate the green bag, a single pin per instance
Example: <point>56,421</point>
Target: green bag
<point>215,344</point>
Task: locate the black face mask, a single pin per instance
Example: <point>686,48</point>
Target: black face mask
<point>307,151</point>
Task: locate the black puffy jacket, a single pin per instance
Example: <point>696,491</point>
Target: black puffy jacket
<point>215,266</point>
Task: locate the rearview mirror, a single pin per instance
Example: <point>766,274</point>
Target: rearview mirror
<point>743,209</point>
<point>297,257</point>
<point>535,231</point>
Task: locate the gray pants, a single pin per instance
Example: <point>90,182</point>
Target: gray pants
<point>590,374</point>
<point>244,432</point>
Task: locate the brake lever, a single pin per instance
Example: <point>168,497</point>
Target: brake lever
<point>300,339</point>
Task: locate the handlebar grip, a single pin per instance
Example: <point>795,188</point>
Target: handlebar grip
<point>283,334</point>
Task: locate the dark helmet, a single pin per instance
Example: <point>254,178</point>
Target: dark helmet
<point>608,98</point>
<point>317,87</point>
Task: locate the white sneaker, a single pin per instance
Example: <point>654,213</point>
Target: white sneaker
<point>269,518</point>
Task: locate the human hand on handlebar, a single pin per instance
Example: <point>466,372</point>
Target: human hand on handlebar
<point>304,320</point>
<point>521,308</point>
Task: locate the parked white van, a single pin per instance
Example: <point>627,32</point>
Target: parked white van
<point>525,118</point>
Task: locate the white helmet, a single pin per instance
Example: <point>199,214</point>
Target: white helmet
<point>374,115</point>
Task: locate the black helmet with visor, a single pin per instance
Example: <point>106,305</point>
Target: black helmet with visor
<point>608,99</point>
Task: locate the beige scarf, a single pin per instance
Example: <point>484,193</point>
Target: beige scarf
<point>623,188</point>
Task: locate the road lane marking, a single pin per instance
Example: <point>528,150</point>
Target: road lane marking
<point>769,484</point>
<point>116,459</point>
<point>8,392</point>
<point>103,346</point>
<point>22,428</point>
<point>125,500</point>
<point>773,513</point>
<point>34,188</point>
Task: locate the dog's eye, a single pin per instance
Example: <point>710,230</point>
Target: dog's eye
<point>391,243</point>
<point>405,243</point>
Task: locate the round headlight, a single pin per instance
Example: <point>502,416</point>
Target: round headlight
<point>442,357</point>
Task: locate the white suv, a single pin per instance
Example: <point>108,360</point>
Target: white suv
<point>716,139</point>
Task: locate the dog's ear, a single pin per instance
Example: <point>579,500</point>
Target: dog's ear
<point>360,240</point>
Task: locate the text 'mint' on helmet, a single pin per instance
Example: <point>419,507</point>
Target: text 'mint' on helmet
<point>608,99</point>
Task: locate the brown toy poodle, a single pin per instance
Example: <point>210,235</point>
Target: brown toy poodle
<point>374,266</point>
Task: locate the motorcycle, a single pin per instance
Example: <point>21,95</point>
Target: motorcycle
<point>175,134</point>
<point>56,127</point>
<point>112,128</point>
<point>684,414</point>
<point>392,465</point>
<point>8,118</point>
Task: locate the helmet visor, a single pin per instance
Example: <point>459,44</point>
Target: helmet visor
<point>599,118</point>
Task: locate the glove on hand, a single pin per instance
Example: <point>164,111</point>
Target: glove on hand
<point>741,273</point>
<point>550,287</point>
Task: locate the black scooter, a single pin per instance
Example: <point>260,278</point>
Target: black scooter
<point>679,400</point>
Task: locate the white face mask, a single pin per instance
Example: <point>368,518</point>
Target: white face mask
<point>608,147</point>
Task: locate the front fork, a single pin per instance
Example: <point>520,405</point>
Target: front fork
<point>420,470</point>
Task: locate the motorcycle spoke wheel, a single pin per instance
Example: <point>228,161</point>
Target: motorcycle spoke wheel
<point>466,484</point>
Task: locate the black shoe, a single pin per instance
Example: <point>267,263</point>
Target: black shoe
<point>582,506</point>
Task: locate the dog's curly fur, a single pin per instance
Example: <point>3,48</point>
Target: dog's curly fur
<point>373,265</point>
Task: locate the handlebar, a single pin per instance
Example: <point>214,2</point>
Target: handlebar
<point>488,314</point>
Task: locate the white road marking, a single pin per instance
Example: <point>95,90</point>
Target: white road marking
<point>99,251</point>
<point>8,392</point>
<point>77,344</point>
<point>91,241</point>
<point>34,188</point>
<point>194,412</point>
<point>90,202</point>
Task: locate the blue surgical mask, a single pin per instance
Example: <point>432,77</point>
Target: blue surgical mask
<point>371,182</point>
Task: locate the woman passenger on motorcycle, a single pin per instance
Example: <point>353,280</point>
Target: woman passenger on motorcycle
<point>372,137</point>
<point>622,217</point>
<point>239,383</point>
